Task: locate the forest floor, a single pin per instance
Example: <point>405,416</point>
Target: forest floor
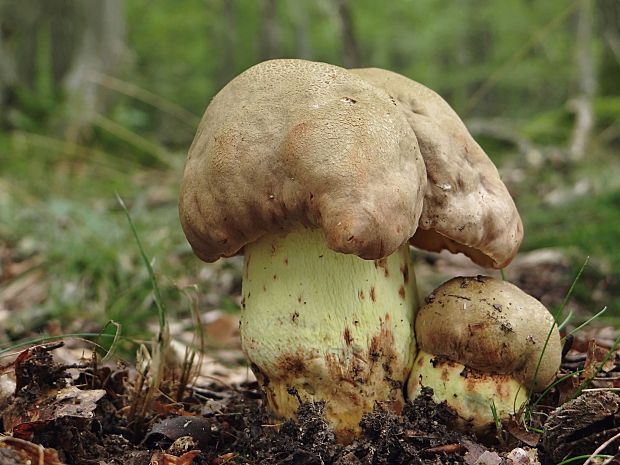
<point>57,413</point>
<point>69,263</point>
<point>60,405</point>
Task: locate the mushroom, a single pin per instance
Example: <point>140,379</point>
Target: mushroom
<point>315,174</point>
<point>467,207</point>
<point>480,341</point>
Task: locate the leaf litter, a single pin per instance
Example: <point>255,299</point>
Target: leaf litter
<point>57,408</point>
<point>60,413</point>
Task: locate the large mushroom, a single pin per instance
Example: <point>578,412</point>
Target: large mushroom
<point>315,174</point>
<point>466,206</point>
<point>482,347</point>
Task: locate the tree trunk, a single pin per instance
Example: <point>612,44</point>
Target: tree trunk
<point>227,37</point>
<point>269,33</point>
<point>20,22</point>
<point>66,19</point>
<point>101,50</point>
<point>582,104</point>
<point>351,57</point>
<point>609,71</point>
<point>299,14</point>
<point>8,69</point>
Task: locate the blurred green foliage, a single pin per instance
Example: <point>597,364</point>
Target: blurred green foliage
<point>514,60</point>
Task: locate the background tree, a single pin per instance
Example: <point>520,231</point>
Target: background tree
<point>99,97</point>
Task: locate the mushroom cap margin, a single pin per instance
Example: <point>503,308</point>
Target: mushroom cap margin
<point>467,207</point>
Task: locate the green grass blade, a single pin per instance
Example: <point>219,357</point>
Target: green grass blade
<point>584,457</point>
<point>542,353</point>
<point>571,289</point>
<point>497,421</point>
<point>554,384</point>
<point>161,307</point>
<point>566,320</point>
<point>587,322</point>
<point>556,316</point>
<point>43,339</point>
<point>115,339</point>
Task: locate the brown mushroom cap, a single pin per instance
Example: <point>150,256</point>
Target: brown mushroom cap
<point>467,207</point>
<point>491,326</point>
<point>293,141</point>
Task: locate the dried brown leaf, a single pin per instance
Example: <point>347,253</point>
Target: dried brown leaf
<point>30,452</point>
<point>520,456</point>
<point>519,431</point>
<point>474,452</point>
<point>162,458</point>
<point>595,357</point>
<point>24,417</point>
<point>488,458</point>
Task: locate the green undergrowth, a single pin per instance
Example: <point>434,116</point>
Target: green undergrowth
<point>588,225</point>
<point>59,214</point>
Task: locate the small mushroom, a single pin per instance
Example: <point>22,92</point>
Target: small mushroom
<point>479,343</point>
<point>316,175</point>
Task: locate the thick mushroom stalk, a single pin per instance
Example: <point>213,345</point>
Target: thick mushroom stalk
<point>323,326</point>
<point>480,341</point>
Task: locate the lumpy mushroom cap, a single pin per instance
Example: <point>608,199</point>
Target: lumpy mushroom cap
<point>293,141</point>
<point>491,326</point>
<point>467,207</point>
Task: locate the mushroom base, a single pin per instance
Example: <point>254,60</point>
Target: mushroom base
<point>318,325</point>
<point>470,393</point>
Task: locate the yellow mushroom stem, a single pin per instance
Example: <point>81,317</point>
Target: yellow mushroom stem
<point>472,394</point>
<point>318,325</point>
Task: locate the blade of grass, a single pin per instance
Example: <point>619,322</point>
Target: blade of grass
<point>558,313</point>
<point>566,320</point>
<point>159,303</point>
<point>601,448</point>
<point>536,37</point>
<point>497,421</point>
<point>554,384</point>
<point>556,316</point>
<point>71,148</point>
<point>82,336</point>
<point>192,362</point>
<point>587,322</point>
<point>115,340</point>
<point>154,362</point>
<point>583,457</point>
<point>157,151</point>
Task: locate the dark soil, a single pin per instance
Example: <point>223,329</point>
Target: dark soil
<point>92,417</point>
